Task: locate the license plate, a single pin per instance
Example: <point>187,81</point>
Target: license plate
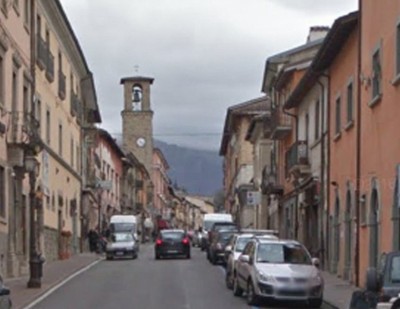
<point>119,253</point>
<point>172,251</point>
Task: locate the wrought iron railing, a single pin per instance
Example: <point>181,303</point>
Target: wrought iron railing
<point>61,85</point>
<point>297,155</point>
<point>24,128</point>
<point>50,67</point>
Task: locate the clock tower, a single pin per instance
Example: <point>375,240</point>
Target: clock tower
<point>137,119</point>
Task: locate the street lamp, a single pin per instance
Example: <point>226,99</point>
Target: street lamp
<point>35,262</point>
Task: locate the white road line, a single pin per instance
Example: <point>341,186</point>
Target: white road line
<point>56,287</point>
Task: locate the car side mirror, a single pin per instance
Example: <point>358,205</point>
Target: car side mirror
<point>228,249</point>
<point>244,259</point>
<point>315,262</point>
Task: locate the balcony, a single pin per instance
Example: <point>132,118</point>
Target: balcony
<point>281,124</point>
<point>61,85</point>
<point>297,162</point>
<point>139,184</point>
<point>24,129</point>
<point>269,183</point>
<point>50,67</point>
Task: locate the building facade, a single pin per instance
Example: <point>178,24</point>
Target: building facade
<point>161,200</point>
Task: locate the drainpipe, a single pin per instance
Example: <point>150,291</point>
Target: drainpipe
<point>358,151</point>
<point>324,248</point>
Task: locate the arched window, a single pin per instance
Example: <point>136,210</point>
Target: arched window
<point>136,98</point>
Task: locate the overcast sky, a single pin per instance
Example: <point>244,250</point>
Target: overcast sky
<point>205,55</point>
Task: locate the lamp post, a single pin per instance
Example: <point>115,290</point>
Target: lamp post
<point>35,261</point>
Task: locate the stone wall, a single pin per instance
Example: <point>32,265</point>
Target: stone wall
<point>3,254</point>
<point>51,244</point>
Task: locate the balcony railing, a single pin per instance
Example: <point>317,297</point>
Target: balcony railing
<point>269,183</point>
<point>139,184</point>
<point>61,85</point>
<point>297,159</point>
<point>281,124</point>
<point>24,129</point>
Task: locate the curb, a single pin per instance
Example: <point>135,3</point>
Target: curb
<point>59,283</point>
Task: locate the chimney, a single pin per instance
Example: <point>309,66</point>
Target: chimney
<point>317,32</point>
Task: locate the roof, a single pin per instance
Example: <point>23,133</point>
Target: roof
<point>111,141</point>
<point>332,45</point>
<point>248,108</point>
<point>198,202</point>
<point>272,63</point>
<point>162,157</point>
<point>137,79</point>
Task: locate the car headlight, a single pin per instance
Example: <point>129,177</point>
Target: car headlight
<point>317,280</point>
<point>265,278</point>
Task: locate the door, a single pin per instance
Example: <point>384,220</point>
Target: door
<point>374,229</point>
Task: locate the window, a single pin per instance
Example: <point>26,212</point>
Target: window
<point>48,127</point>
<point>14,90</point>
<point>398,49</point>
<point>2,192</point>
<point>307,133</point>
<point>72,152</point>
<point>317,107</point>
<point>60,61</point>
<point>338,114</point>
<point>53,202</point>
<point>48,205</point>
<point>350,102</point>
<point>39,24</point>
<point>27,12</point>
<point>38,112</point>
<point>78,159</point>
<point>376,74</point>
<point>60,139</point>
<point>25,98</point>
<point>2,95</point>
<point>363,209</point>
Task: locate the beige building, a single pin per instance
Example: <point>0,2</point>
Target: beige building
<point>65,98</point>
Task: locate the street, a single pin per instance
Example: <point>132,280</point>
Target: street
<point>148,284</point>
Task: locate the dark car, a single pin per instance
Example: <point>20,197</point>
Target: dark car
<point>218,244</point>
<point>172,243</point>
<point>217,226</point>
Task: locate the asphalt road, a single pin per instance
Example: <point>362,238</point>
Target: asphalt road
<point>147,284</point>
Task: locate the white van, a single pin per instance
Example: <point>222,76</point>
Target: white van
<point>124,223</point>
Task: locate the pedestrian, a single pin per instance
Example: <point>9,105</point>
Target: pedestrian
<point>92,237</point>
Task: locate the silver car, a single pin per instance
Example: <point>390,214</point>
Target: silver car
<point>122,245</point>
<point>234,249</point>
<point>278,270</point>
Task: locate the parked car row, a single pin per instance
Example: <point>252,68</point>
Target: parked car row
<point>264,267</point>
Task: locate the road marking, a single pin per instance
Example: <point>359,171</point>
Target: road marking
<point>57,286</point>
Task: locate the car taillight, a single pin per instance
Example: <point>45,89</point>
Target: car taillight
<point>158,242</point>
<point>185,241</point>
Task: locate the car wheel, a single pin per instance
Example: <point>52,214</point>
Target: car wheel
<point>252,298</point>
<point>157,256</point>
<point>228,280</point>
<point>237,290</point>
<point>316,303</point>
<point>109,258</point>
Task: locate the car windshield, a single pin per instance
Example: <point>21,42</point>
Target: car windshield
<point>122,227</point>
<point>126,237</point>
<point>241,243</point>
<point>282,254</point>
<point>207,225</point>
<point>225,227</point>
<point>172,235</point>
<point>224,237</point>
<point>395,270</point>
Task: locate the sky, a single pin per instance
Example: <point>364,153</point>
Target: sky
<point>204,55</point>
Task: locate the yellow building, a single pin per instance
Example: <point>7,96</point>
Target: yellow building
<point>65,100</point>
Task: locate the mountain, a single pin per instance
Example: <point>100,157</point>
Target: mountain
<point>197,171</point>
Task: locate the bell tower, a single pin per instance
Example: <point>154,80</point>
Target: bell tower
<point>137,119</point>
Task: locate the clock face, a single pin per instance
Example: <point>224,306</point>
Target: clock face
<point>141,142</point>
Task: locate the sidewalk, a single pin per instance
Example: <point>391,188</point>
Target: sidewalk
<point>337,293</point>
<point>53,273</point>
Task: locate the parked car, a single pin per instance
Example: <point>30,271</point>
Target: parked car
<point>283,270</point>
<point>172,243</point>
<point>234,249</point>
<point>217,246</point>
<point>217,226</point>
<point>122,245</point>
